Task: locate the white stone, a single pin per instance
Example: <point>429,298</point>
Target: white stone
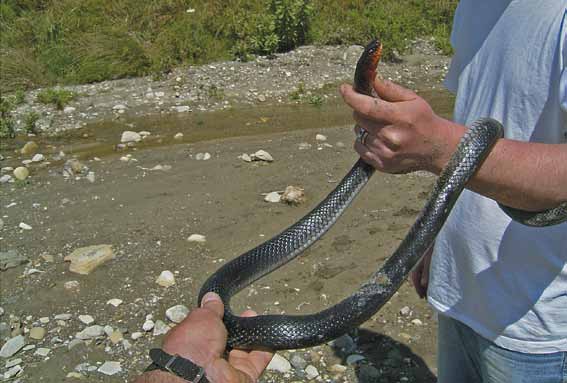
<point>182,109</point>
<point>86,259</point>
<point>338,368</point>
<point>86,319</point>
<point>24,226</point>
<point>166,279</point>
<point>203,156</point>
<point>178,136</point>
<point>21,173</point>
<point>108,330</point>
<point>160,328</point>
<point>311,372</point>
<point>320,137</point>
<point>13,362</point>
<point>71,285</point>
<point>12,346</point>
<point>129,136</point>
<point>69,110</point>
<point>273,197</point>
<point>136,335</point>
<point>176,313</point>
<point>110,368</point>
<point>90,332</point>
<point>197,238</point>
<point>63,316</point>
<point>280,364</point>
<point>417,322</point>
<point>42,351</point>
<point>119,107</point>
<point>262,155</point>
<point>38,157</point>
<point>44,320</point>
<point>6,178</point>
<point>91,177</point>
<point>12,372</point>
<point>405,311</point>
<point>304,146</point>
<point>148,325</point>
<point>1,311</point>
<point>245,157</point>
<point>144,133</point>
<point>114,302</point>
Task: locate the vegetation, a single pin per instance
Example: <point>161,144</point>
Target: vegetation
<point>49,42</point>
<point>58,97</point>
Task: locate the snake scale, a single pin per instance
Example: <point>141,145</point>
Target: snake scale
<point>277,332</point>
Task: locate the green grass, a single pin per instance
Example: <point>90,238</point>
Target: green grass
<point>57,97</point>
<point>57,42</point>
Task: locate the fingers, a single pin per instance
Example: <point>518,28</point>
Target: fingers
<point>392,92</point>
<point>213,302</point>
<point>370,107</point>
<point>252,363</point>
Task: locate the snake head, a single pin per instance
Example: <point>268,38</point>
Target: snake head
<point>366,67</point>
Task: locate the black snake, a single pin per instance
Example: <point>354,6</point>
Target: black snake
<point>278,332</point>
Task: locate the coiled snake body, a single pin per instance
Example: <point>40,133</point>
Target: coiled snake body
<point>278,332</point>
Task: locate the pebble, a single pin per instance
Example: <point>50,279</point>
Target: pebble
<point>405,311</point>
<point>293,195</point>
<point>37,333</point>
<point>262,155</point>
<point>29,148</point>
<point>176,313</point>
<point>182,109</point>
<point>178,136</point>
<point>148,325</point>
<point>368,374</point>
<point>311,372</point>
<point>108,330</point>
<point>245,157</point>
<point>203,156</point>
<point>42,351</point>
<point>21,173</point>
<point>90,332</point>
<point>13,362</point>
<point>110,368</point>
<point>417,322</point>
<point>166,279</point>
<point>298,362</point>
<point>6,178</point>
<point>144,133</point>
<point>12,346</point>
<point>1,311</point>
<point>24,226</point>
<point>197,238</point>
<point>304,146</point>
<point>38,158</point>
<point>44,320</point>
<point>71,285</point>
<point>114,302</point>
<point>86,319</point>
<point>345,343</point>
<point>69,109</point>
<point>119,107</point>
<point>129,136</point>
<point>320,138</point>
<point>354,359</point>
<point>279,364</point>
<point>116,337</point>
<point>160,328</point>
<point>91,177</point>
<point>273,197</point>
<point>85,259</point>
<point>75,375</point>
<point>338,368</point>
<point>12,372</point>
<point>63,316</point>
<point>136,335</point>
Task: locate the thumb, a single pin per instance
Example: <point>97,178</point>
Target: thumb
<point>212,301</point>
<point>392,92</point>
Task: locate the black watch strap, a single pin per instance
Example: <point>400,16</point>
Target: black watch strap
<point>176,365</point>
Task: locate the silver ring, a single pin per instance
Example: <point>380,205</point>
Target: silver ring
<point>362,135</point>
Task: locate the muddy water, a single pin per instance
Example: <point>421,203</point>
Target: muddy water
<point>100,139</point>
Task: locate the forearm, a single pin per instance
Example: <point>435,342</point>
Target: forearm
<point>158,377</point>
<point>522,175</point>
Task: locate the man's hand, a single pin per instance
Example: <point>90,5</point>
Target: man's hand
<point>201,338</point>
<point>403,132</point>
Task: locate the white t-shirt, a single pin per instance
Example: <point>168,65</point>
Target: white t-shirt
<point>508,282</point>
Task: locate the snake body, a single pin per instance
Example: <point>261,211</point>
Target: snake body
<point>277,332</point>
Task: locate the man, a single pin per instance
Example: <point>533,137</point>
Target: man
<point>500,287</point>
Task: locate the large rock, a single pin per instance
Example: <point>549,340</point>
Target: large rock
<point>12,346</point>
<point>177,313</point>
<point>21,173</point>
<point>11,258</point>
<point>86,259</point>
<point>29,148</point>
<point>128,136</point>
